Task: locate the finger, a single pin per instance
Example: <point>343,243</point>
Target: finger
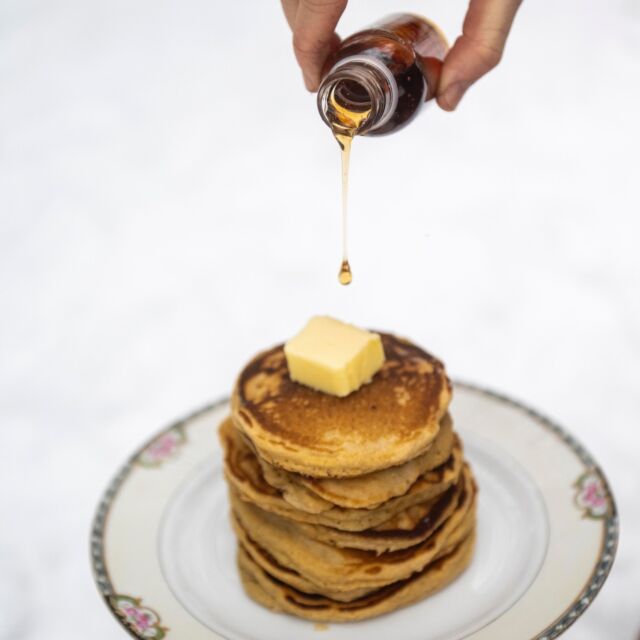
<point>478,50</point>
<point>314,36</point>
<point>290,8</point>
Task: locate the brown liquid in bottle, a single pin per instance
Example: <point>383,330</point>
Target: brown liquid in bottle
<point>375,84</point>
<point>411,50</point>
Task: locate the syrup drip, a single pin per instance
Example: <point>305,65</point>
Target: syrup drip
<point>345,125</point>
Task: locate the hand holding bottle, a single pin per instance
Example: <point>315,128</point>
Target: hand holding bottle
<point>477,51</point>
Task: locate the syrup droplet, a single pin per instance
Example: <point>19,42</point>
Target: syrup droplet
<point>345,277</point>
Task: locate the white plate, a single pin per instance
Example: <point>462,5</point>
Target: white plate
<point>164,553</point>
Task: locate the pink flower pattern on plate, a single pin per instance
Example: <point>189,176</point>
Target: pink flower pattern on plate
<point>144,622</point>
<point>162,448</point>
<point>592,495</point>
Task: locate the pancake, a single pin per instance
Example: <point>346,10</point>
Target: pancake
<point>408,528</point>
<point>329,569</point>
<point>244,474</point>
<point>298,581</point>
<point>361,492</point>
<point>385,423</point>
<point>279,596</point>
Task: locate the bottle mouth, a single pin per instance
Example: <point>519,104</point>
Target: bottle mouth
<point>357,95</point>
<point>349,106</point>
<point>352,95</point>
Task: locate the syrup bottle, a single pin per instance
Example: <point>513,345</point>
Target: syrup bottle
<point>376,83</point>
<point>380,77</point>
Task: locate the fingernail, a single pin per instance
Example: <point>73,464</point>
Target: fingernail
<point>452,95</point>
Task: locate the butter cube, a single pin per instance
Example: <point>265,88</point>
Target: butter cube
<point>334,357</point>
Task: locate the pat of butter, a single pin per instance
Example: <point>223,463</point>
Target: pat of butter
<point>334,357</point>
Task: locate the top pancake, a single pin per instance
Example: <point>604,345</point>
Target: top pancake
<point>392,419</point>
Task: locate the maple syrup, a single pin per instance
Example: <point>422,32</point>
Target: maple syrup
<point>375,84</point>
<point>344,275</point>
<point>346,122</point>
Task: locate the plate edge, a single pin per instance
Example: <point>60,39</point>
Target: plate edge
<point>101,514</point>
<point>609,543</point>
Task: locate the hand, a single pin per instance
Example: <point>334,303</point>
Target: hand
<point>313,24</point>
<point>477,51</point>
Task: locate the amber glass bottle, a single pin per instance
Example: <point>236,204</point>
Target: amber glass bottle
<point>384,74</point>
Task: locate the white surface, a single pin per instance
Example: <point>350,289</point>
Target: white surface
<point>197,552</point>
<point>155,220</point>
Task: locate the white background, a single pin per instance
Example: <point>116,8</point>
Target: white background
<point>169,204</point>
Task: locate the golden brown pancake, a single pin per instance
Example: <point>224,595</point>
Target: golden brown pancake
<point>347,508</point>
<point>244,473</point>
<point>342,594</point>
<point>279,596</point>
<point>387,422</point>
<point>331,570</point>
<point>360,492</point>
<point>403,530</point>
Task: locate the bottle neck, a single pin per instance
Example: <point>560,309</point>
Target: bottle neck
<point>358,95</point>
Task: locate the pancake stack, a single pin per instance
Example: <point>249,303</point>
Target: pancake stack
<point>347,508</point>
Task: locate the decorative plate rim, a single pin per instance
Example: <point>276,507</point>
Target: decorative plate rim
<point>571,613</point>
